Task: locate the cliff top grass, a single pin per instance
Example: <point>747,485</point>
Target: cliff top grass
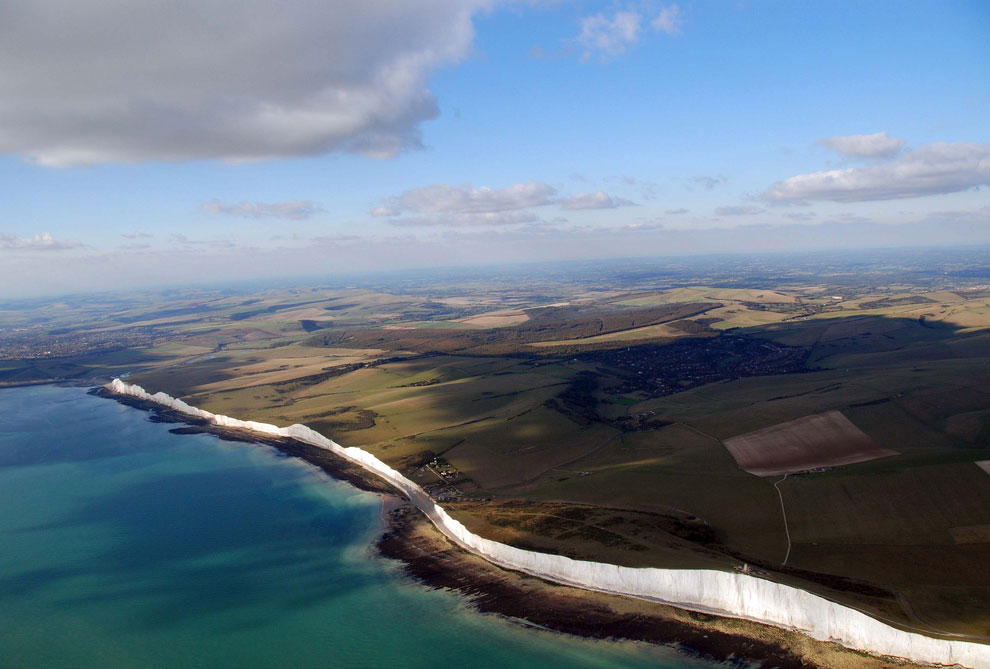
<point>619,403</point>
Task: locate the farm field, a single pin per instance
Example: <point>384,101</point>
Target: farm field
<point>813,442</point>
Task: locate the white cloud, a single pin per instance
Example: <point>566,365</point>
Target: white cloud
<point>41,242</point>
<point>596,200</point>
<point>676,212</point>
<point>738,210</point>
<point>669,20</point>
<point>877,145</point>
<point>465,205</point>
<point>931,170</point>
<point>609,36</point>
<point>296,210</point>
<point>465,199</point>
<point>466,220</point>
<point>88,82</point>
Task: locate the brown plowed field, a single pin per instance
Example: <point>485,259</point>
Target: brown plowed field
<point>823,440</point>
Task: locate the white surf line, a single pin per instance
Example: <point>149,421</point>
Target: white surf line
<point>783,512</point>
<point>720,593</point>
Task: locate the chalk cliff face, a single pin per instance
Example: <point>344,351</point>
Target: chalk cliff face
<point>723,593</point>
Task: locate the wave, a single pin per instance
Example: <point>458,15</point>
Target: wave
<point>721,593</point>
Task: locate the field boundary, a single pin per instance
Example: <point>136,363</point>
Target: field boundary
<point>783,512</point>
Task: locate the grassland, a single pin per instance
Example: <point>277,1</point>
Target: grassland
<point>594,421</point>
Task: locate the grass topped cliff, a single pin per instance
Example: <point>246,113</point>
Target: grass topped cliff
<point>614,419</point>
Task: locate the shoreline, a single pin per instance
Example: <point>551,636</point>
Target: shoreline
<point>432,559</point>
<point>335,467</point>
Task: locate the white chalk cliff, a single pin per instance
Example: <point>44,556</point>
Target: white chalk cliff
<point>728,594</point>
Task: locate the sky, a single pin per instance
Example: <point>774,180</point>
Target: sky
<point>144,142</point>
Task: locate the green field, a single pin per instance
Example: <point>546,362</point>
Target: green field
<point>591,423</point>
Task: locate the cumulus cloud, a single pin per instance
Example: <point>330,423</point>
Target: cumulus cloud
<point>877,145</point>
<point>610,36</point>
<point>40,242</point>
<point>931,170</point>
<point>738,210</point>
<point>596,200</point>
<point>296,210</point>
<point>88,83</point>
<point>466,199</point>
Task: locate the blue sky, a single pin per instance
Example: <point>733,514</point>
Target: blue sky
<point>312,137</point>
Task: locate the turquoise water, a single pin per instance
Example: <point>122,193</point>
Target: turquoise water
<point>126,546</point>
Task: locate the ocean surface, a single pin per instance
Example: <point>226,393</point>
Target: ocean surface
<point>123,545</point>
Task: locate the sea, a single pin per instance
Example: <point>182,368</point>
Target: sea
<point>124,545</point>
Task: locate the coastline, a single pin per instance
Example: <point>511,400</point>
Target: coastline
<point>432,559</point>
<point>548,604</point>
<point>333,466</point>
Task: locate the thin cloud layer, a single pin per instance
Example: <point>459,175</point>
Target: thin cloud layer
<point>877,145</point>
<point>708,182</point>
<point>465,205</point>
<point>296,210</point>
<point>89,83</point>
<point>596,200</point>
<point>466,199</point>
<point>669,20</point>
<point>40,242</point>
<point>468,220</point>
<point>933,169</point>
<point>738,210</point>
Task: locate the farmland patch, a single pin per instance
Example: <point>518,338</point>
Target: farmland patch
<point>823,440</point>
